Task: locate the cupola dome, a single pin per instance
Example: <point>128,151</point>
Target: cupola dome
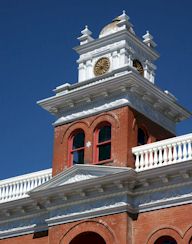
<point>117,24</point>
<point>110,28</point>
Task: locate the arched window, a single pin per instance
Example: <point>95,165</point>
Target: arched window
<point>77,147</point>
<point>102,143</point>
<point>87,238</point>
<point>166,240</point>
<point>142,137</point>
<point>137,64</point>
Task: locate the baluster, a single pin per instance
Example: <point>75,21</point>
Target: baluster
<point>14,189</point>
<point>174,152</point>
<point>3,192</point>
<point>160,156</point>
<point>35,181</point>
<point>17,190</point>
<point>43,179</point>
<point>146,160</point>
<point>189,151</point>
<point>48,177</point>
<point>10,191</point>
<point>142,163</point>
<point>28,185</point>
<point>21,189</point>
<point>24,186</point>
<point>31,184</point>
<point>179,151</point>
<point>151,163</point>
<point>39,181</point>
<point>137,161</point>
<point>184,150</point>
<point>165,157</point>
<point>6,191</point>
<point>170,156</point>
<point>155,157</point>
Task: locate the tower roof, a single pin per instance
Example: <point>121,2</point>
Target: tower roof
<point>116,24</point>
<point>110,28</point>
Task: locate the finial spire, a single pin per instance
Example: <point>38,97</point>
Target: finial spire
<point>124,22</point>
<point>86,36</point>
<point>148,40</point>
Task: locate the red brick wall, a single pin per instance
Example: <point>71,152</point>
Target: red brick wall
<point>125,122</point>
<point>121,229</point>
<point>113,229</point>
<point>175,221</point>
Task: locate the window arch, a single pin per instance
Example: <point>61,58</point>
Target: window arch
<point>165,240</point>
<point>137,64</point>
<point>88,237</point>
<point>142,136</point>
<point>77,147</point>
<point>102,141</point>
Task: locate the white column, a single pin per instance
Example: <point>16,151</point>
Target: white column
<point>89,70</point>
<point>152,76</point>
<point>123,57</point>
<point>115,60</point>
<point>146,72</point>
<point>130,61</point>
<point>81,72</point>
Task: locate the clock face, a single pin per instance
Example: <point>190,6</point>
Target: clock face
<point>138,66</point>
<point>102,66</point>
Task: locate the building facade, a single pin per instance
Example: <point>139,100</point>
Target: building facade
<point>120,175</point>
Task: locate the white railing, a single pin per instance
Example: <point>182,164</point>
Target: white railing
<point>165,152</point>
<point>17,187</point>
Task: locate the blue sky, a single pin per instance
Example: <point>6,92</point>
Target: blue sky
<point>36,41</point>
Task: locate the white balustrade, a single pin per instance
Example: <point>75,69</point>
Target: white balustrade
<point>165,152</point>
<point>17,187</point>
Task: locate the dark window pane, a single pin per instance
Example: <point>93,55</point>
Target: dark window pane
<point>104,152</point>
<point>166,240</point>
<point>142,137</point>
<point>78,157</point>
<point>78,140</point>
<point>105,133</point>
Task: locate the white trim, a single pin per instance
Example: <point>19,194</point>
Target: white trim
<point>94,96</point>
<point>124,190</point>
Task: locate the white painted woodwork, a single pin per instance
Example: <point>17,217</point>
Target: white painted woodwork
<point>17,187</point>
<point>165,152</point>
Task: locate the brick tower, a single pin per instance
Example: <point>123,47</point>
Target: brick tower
<point>120,176</point>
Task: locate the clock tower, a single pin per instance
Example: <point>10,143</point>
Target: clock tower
<point>115,105</point>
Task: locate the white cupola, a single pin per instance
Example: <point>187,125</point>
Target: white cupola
<point>116,50</point>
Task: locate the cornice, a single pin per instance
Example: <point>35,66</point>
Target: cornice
<point>118,191</point>
<point>84,99</point>
<point>130,81</point>
<point>115,37</point>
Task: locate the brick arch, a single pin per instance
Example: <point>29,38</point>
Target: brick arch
<point>107,117</point>
<point>187,238</point>
<point>83,125</point>
<point>165,231</point>
<point>100,228</point>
